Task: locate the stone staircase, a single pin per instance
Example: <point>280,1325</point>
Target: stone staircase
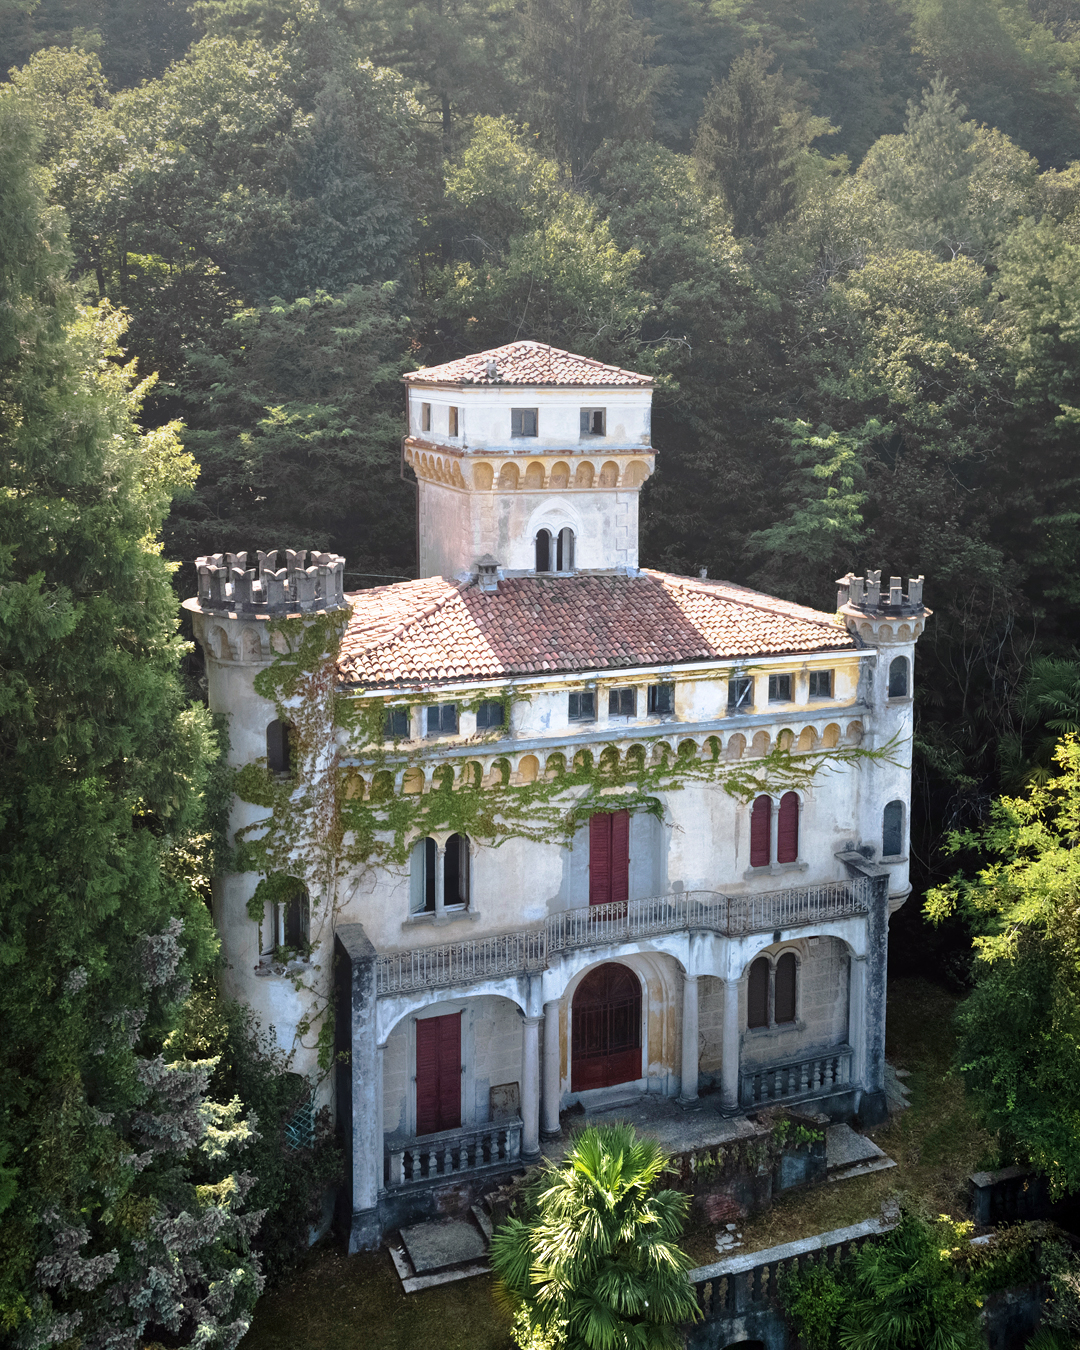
<point>439,1251</point>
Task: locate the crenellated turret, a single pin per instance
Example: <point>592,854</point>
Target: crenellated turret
<point>227,584</point>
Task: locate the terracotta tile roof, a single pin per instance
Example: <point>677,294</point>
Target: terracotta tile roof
<point>532,363</point>
<point>437,631</point>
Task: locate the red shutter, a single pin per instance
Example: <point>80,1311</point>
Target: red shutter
<point>760,827</point>
<point>784,996</point>
<point>620,857</point>
<point>438,1074</point>
<point>757,994</point>
<point>787,829</point>
<point>599,859</point>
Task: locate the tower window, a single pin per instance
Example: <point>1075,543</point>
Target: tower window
<point>425,416</point>
<point>491,713</point>
<point>396,727</point>
<point>821,684</point>
<point>582,706</point>
<point>898,677</point>
<point>543,551</point>
<point>564,549</point>
<point>622,702</point>
<point>524,421</point>
<point>740,693</point>
<point>661,699</point>
<point>442,719</point>
<point>277,746</point>
<point>779,688</point>
<point>892,830</point>
<point>453,421</point>
<point>594,421</point>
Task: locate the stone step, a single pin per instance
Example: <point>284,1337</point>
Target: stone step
<point>849,1154</point>
<point>440,1251</point>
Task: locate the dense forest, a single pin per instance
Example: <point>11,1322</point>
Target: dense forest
<point>843,235</point>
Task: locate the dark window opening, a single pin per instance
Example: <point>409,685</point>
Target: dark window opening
<point>296,923</point>
<point>784,992</point>
<point>427,879</point>
<point>821,684</point>
<point>442,719</point>
<point>490,713</point>
<point>582,706</point>
<point>425,416</point>
<point>898,677</point>
<point>278,750</point>
<point>787,829</point>
<point>622,702</point>
<point>779,688</point>
<point>760,831</point>
<point>453,422</point>
<point>524,421</point>
<point>740,693</point>
<point>892,830</point>
<point>594,422</point>
<point>662,699</point>
<point>456,874</point>
<point>564,561</point>
<point>543,551</point>
<point>757,994</point>
<point>397,724</point>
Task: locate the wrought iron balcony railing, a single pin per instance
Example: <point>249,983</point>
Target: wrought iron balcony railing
<point>602,925</point>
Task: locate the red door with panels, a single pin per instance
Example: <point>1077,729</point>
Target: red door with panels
<point>438,1074</point>
<point>606,1041</point>
<point>609,858</point>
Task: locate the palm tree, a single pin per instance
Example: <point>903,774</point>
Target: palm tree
<point>596,1265</point>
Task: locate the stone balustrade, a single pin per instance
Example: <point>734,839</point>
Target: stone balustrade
<point>808,1077</point>
<point>603,925</point>
<point>414,1162</point>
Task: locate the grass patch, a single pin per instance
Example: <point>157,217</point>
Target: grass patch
<point>337,1302</point>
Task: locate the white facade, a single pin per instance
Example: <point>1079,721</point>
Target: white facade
<point>501,945</point>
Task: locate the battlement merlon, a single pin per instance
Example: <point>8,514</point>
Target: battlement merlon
<point>864,595</point>
<point>227,584</point>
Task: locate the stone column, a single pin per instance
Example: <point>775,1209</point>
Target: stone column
<point>873,1108</point>
<point>380,1127</point>
<point>729,1068</point>
<point>857,1018</point>
<point>550,1128</point>
<point>689,1039</point>
<point>359,1083</point>
<point>774,825</point>
<point>530,1090</point>
<point>440,880</point>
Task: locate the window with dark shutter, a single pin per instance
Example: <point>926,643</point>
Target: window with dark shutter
<point>821,684</point>
<point>757,994</point>
<point>609,857</point>
<point>438,1074</point>
<point>396,726</point>
<point>892,830</point>
<point>543,551</point>
<point>490,714</point>
<point>622,702</point>
<point>453,422</point>
<point>760,830</point>
<point>662,699</point>
<point>442,719</point>
<point>582,706</point>
<point>456,874</point>
<point>740,693</point>
<point>779,688</point>
<point>523,421</point>
<point>564,560</point>
<point>784,989</point>
<point>425,416</point>
<point>296,921</point>
<point>277,747</point>
<point>593,422</point>
<point>787,829</point>
<point>898,677</point>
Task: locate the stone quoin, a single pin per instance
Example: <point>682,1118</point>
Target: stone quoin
<point>722,931</point>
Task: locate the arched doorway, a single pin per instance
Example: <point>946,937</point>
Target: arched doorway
<point>606,1045</point>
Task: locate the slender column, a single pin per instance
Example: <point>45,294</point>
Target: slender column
<point>729,1068</point>
<point>689,1039</point>
<point>857,1018</point>
<point>550,1099</point>
<point>873,1107</point>
<point>774,824</point>
<point>380,1128</point>
<point>440,880</point>
<point>530,1089</point>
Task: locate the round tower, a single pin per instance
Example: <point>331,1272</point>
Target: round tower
<point>269,961</point>
<point>892,622</point>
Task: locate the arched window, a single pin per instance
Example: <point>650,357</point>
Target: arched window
<point>757,994</point>
<point>898,677</point>
<point>543,551</point>
<point>277,746</point>
<point>892,830</point>
<point>424,859</point>
<point>760,830</point>
<point>427,869</point>
<point>296,921</point>
<point>456,884</point>
<point>564,561</point>
<point>784,991</point>
<point>787,829</point>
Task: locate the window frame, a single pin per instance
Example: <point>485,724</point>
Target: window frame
<point>486,725</point>
<point>453,421</point>
<point>617,696</point>
<point>441,710</point>
<point>425,416</point>
<point>279,747</point>
<point>564,550</point>
<point>518,423</point>
<point>393,715</point>
<point>589,695</point>
<point>901,831</point>
<point>780,680</point>
<point>907,679</point>
<point>739,685</point>
<point>587,419</point>
<point>817,675</point>
<point>772,962</point>
<point>654,698</point>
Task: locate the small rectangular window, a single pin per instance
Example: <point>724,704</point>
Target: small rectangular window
<point>662,699</point>
<point>594,421</point>
<point>524,422</point>
<point>453,421</point>
<point>397,724</point>
<point>425,416</point>
<point>821,684</point>
<point>779,688</point>
<point>740,693</point>
<point>490,714</point>
<point>622,702</point>
<point>442,719</point>
<point>583,706</point>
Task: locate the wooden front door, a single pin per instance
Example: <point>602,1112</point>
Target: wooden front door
<point>606,1045</point>
<point>438,1074</point>
<point>609,857</point>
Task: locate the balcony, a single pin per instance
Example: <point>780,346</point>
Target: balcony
<point>604,925</point>
<point>813,1076</point>
<point>412,1162</point>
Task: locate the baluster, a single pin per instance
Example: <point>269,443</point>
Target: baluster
<point>777,1087</point>
<point>396,1168</point>
<point>515,1142</point>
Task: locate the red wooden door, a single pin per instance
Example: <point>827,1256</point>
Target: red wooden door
<point>606,1042</point>
<point>438,1074</point>
<point>609,857</point>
